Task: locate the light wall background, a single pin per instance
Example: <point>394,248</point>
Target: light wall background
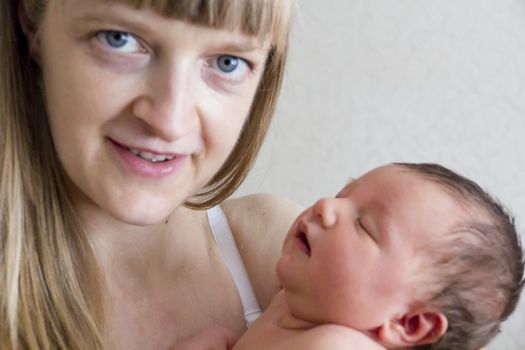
<point>375,81</point>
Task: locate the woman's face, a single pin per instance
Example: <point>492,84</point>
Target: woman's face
<point>143,109</point>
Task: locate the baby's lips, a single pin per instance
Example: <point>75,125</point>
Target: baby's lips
<point>302,235</point>
<point>302,227</point>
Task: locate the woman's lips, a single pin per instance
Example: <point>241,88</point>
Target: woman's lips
<point>149,168</point>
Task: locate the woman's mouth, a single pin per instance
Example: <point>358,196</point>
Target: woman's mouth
<point>151,157</point>
<point>147,163</point>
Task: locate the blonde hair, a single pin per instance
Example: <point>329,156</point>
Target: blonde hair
<point>50,285</point>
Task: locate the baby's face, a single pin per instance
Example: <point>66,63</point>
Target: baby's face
<point>352,259</point>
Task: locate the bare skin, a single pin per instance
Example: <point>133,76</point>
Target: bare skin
<point>122,85</point>
<point>164,296</point>
<point>278,329</point>
<point>214,338</point>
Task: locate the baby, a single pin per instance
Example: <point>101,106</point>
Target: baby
<point>409,256</point>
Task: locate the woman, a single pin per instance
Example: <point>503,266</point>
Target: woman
<point>120,122</point>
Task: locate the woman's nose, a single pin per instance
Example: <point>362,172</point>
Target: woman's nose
<point>325,212</point>
<point>168,106</point>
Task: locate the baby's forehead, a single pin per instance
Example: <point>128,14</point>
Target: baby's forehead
<point>387,175</point>
<point>350,182</point>
<point>394,185</point>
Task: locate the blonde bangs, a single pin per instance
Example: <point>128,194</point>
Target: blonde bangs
<point>264,19</point>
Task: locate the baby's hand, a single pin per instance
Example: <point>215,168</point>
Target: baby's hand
<point>213,338</point>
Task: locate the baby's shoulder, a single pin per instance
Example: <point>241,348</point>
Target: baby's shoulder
<point>337,337</point>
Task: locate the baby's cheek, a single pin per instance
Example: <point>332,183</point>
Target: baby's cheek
<point>282,268</point>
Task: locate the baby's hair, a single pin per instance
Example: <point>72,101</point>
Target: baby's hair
<point>479,264</point>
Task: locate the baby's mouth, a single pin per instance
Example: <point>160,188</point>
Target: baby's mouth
<point>302,239</point>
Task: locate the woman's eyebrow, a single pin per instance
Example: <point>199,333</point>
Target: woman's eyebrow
<point>246,45</point>
<point>241,45</point>
<point>105,18</point>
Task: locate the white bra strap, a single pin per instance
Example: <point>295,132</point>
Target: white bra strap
<point>223,237</point>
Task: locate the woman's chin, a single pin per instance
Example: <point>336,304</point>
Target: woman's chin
<point>131,212</point>
<point>142,216</point>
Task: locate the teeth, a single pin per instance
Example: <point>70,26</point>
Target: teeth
<point>150,156</point>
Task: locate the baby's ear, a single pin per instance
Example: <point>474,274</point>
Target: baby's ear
<point>418,327</point>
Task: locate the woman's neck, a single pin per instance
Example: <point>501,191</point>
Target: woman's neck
<point>131,250</point>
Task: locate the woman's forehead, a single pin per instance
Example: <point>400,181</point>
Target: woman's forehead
<point>253,17</point>
<point>267,20</point>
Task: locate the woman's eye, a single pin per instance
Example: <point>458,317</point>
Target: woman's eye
<point>227,64</point>
<point>232,66</point>
<point>119,41</point>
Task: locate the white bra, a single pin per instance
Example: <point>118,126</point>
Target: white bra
<point>223,237</point>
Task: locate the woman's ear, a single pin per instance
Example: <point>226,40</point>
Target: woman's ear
<point>30,31</point>
<point>422,326</point>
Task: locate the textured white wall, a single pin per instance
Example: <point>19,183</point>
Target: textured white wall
<point>376,81</point>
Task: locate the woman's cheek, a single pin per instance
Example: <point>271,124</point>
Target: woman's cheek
<point>223,117</point>
<point>218,84</point>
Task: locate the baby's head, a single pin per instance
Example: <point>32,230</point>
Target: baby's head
<point>412,254</point>
<point>475,273</point>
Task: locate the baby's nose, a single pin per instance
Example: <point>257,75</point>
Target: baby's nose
<point>325,212</point>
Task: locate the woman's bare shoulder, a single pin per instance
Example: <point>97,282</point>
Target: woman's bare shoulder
<point>259,224</point>
<point>262,207</point>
